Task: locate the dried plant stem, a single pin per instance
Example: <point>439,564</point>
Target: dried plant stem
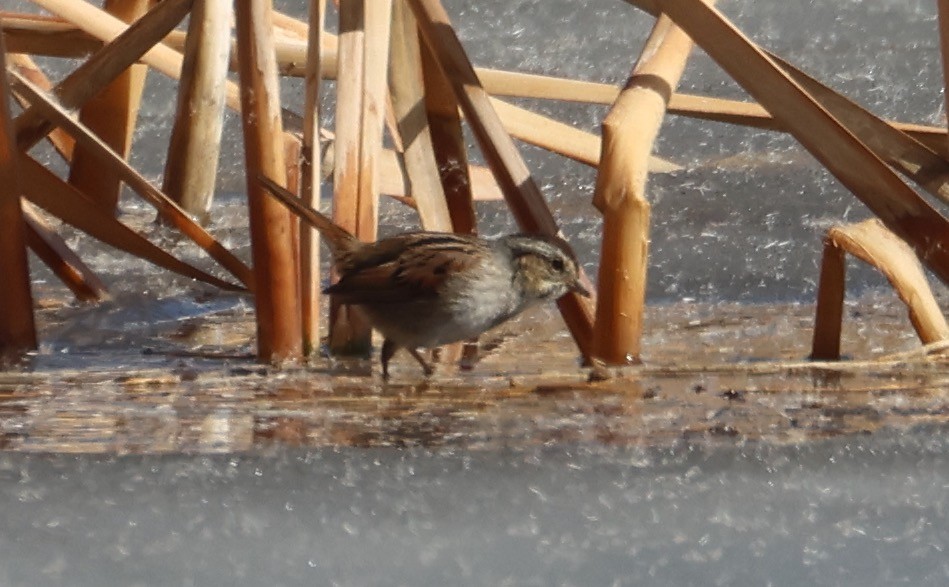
<point>914,160</point>
<point>124,49</point>
<point>378,25</point>
<point>169,210</point>
<point>42,239</point>
<point>105,27</point>
<point>61,141</point>
<point>408,103</point>
<point>876,185</point>
<point>191,164</point>
<point>17,329</point>
<point>279,336</point>
<point>629,131</point>
<point>111,114</point>
<point>829,314</point>
<point>561,138</point>
<point>350,332</point>
<point>448,143</point>
<point>43,188</point>
<point>414,102</point>
<point>55,37</point>
<point>310,175</point>
<point>45,35</point>
<point>65,264</point>
<point>292,149</point>
<point>524,85</point>
<point>520,190</point>
<point>872,243</point>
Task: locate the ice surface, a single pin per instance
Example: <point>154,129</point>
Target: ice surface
<point>851,511</point>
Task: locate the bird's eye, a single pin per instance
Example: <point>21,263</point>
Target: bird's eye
<point>558,265</point>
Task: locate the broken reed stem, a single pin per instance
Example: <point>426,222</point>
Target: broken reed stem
<point>914,160</point>
<point>521,192</point>
<point>850,161</point>
<point>111,114</point>
<point>408,104</point>
<point>45,189</point>
<point>53,251</point>
<point>123,49</point>
<point>55,37</point>
<point>61,141</point>
<point>829,313</point>
<point>378,26</point>
<point>408,92</point>
<point>192,160</point>
<point>629,132</point>
<point>310,176</point>
<point>292,147</point>
<point>448,143</point>
<point>350,332</point>
<point>279,336</point>
<point>873,244</point>
<point>166,208</point>
<point>42,239</point>
<point>17,329</point>
<point>105,27</point>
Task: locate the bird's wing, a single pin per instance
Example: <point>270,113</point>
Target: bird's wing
<point>418,273</point>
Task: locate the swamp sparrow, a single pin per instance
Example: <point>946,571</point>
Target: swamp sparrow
<point>426,289</point>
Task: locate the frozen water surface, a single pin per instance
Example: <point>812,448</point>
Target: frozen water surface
<point>517,473</point>
<point>852,511</point>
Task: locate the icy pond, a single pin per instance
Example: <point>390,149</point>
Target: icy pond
<point>143,446</point>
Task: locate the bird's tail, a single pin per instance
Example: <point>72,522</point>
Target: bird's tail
<point>338,238</point>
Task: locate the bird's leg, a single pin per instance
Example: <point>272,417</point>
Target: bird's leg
<point>429,370</point>
<point>388,349</point>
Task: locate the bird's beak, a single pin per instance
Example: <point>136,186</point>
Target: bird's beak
<point>577,288</point>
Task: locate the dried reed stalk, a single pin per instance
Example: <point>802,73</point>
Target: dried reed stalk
<point>105,27</point>
<point>65,264</point>
<point>522,194</point>
<point>111,114</point>
<point>629,131</point>
<point>43,188</point>
<point>58,138</point>
<point>561,138</point>
<point>408,103</point>
<point>350,332</point>
<point>51,36</point>
<point>310,176</point>
<point>448,143</point>
<point>191,164</point>
<point>408,90</point>
<point>39,36</point>
<point>523,85</point>
<point>394,180</point>
<point>168,210</point>
<point>103,67</point>
<point>876,185</point>
<point>292,149</point>
<point>911,158</point>
<point>378,25</point>
<point>279,336</point>
<point>17,329</point>
<point>51,249</point>
<point>872,243</point>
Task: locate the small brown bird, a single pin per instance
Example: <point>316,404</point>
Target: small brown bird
<point>427,289</point>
